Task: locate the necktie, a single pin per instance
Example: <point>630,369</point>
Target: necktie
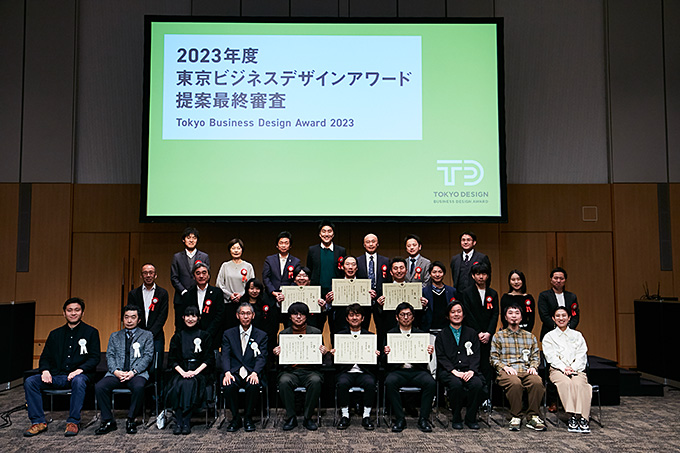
<point>244,342</point>
<point>371,271</point>
<point>413,265</point>
<point>128,345</point>
<point>466,257</point>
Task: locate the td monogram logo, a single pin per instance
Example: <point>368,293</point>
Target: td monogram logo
<point>472,171</point>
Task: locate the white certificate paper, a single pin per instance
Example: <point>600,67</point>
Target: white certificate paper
<point>348,291</point>
<point>308,295</point>
<point>396,293</point>
<point>351,349</point>
<point>300,349</point>
<point>408,348</point>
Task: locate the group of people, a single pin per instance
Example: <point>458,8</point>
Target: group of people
<point>241,317</point>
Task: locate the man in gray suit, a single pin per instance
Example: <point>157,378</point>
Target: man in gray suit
<point>128,358</point>
<point>181,270</point>
<point>418,267</point>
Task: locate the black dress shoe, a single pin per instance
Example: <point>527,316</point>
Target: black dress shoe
<point>424,425</point>
<point>472,425</point>
<point>399,425</point>
<point>106,427</point>
<point>290,423</point>
<point>177,430</point>
<point>367,423</point>
<point>235,425</point>
<point>249,425</point>
<point>130,426</point>
<point>186,429</point>
<point>457,425</point>
<point>344,423</point>
<point>310,424</point>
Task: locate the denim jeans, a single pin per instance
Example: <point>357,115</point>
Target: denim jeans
<point>34,385</point>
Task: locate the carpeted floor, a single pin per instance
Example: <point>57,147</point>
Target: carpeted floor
<point>638,424</point>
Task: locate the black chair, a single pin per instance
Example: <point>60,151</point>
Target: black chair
<point>596,391</point>
<point>359,390</point>
<point>402,390</point>
<point>61,392</point>
<point>302,390</point>
<point>265,411</point>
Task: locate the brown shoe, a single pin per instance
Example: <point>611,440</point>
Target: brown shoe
<point>71,430</point>
<point>552,407</point>
<point>36,429</point>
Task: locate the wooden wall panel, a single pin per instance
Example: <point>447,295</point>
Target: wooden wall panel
<point>9,200</point>
<point>627,354</point>
<point>675,234</point>
<point>557,207</point>
<point>588,260</point>
<point>47,281</point>
<point>98,276</point>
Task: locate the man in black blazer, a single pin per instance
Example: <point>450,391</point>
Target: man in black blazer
<point>549,300</point>
<point>480,305</point>
<point>181,270</point>
<point>210,303</point>
<point>458,355</point>
<point>278,268</point>
<point>356,375</point>
<point>325,260</point>
<point>152,301</point>
<point>244,355</point>
<point>461,264</point>
<point>379,274</point>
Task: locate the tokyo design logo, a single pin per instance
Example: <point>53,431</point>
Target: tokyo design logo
<point>471,171</point>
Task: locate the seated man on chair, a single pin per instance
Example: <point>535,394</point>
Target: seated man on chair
<point>244,355</point>
<point>294,376</point>
<point>515,356</point>
<point>458,352</point>
<point>355,375</point>
<point>128,358</point>
<point>409,374</point>
<point>68,361</point>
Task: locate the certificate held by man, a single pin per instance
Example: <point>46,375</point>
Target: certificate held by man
<point>300,349</point>
<point>308,295</point>
<point>408,347</point>
<point>347,291</point>
<point>353,349</point>
<point>396,293</point>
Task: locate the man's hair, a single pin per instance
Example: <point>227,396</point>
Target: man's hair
<point>523,289</point>
<point>284,235</point>
<point>192,310</point>
<point>141,269</point>
<point>355,308</point>
<point>439,264</point>
<point>135,308</point>
<point>412,236</point>
<point>558,269</point>
<point>188,231</point>
<point>298,307</point>
<point>397,259</point>
<point>468,233</point>
<point>480,268</point>
<point>561,308</point>
<point>404,306</point>
<point>198,265</point>
<point>299,269</point>
<point>348,257</point>
<point>452,304</point>
<point>74,300</point>
<point>508,307</point>
<point>324,223</point>
<point>245,305</point>
<point>233,242</point>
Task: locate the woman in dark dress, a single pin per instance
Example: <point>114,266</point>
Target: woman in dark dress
<point>191,357</point>
<point>438,297</point>
<point>518,295</point>
<point>266,312</point>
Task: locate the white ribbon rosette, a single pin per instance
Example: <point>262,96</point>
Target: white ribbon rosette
<point>83,346</point>
<point>468,347</point>
<point>525,355</point>
<point>197,345</point>
<point>255,348</point>
<point>136,347</point>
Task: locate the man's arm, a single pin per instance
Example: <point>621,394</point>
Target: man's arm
<point>495,354</point>
<point>261,358</point>
<point>544,308</point>
<point>493,318</point>
<point>93,352</point>
<point>46,361</point>
<point>575,312</point>
<point>161,310</point>
<point>174,275</point>
<point>112,355</point>
<point>146,343</point>
<point>266,277</point>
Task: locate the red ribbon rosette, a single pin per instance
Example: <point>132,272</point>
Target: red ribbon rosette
<point>528,304</point>
<point>153,303</point>
<point>197,261</point>
<point>340,261</point>
<point>573,309</point>
<point>418,271</point>
<point>290,272</point>
<point>384,270</point>
<point>489,305</point>
<point>244,273</point>
<point>206,306</point>
<point>265,310</point>
<point>476,262</point>
<point>452,299</point>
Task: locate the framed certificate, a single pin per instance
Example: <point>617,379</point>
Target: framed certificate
<point>396,293</point>
<point>351,349</point>
<point>308,295</point>
<point>348,291</point>
<point>300,349</point>
<point>408,348</point>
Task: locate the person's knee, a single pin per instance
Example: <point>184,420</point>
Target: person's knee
<point>33,382</point>
<point>79,382</point>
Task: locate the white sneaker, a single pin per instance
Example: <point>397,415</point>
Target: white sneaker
<point>515,424</point>
<point>572,425</point>
<point>536,423</point>
<point>584,426</point>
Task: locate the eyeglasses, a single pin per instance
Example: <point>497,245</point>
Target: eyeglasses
<point>406,315</point>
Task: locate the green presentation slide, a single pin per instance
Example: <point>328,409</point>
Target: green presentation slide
<point>288,120</point>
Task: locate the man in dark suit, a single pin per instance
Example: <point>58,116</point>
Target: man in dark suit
<point>480,305</point>
<point>417,265</point>
<point>356,375</point>
<point>278,268</point>
<point>244,355</point>
<point>325,260</point>
<point>458,355</point>
<point>152,301</point>
<point>128,358</point>
<point>210,303</point>
<point>374,267</point>
<point>409,374</point>
<point>180,271</point>
<point>462,263</point>
<point>549,300</point>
